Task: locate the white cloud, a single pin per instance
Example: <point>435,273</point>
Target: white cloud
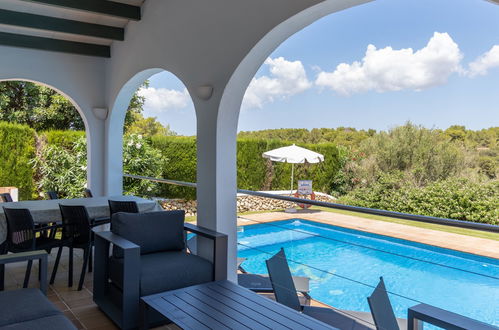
<point>286,79</point>
<point>162,99</point>
<point>482,64</point>
<point>388,69</point>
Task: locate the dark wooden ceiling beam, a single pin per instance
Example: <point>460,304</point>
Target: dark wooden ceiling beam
<point>105,7</point>
<point>15,18</point>
<point>56,45</point>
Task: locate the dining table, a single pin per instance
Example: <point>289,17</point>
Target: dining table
<point>47,211</point>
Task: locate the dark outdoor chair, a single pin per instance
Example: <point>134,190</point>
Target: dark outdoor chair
<point>96,221</point>
<point>123,206</point>
<point>261,282</point>
<point>6,198</point>
<point>21,236</point>
<point>30,308</point>
<point>76,234</point>
<point>52,195</point>
<point>88,193</point>
<point>382,311</point>
<point>149,256</point>
<point>285,293</point>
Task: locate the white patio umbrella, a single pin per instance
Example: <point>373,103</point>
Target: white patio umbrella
<point>294,155</point>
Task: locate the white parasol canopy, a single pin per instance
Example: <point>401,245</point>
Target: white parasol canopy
<point>294,155</point>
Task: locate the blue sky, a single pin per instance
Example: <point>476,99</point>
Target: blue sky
<point>451,75</point>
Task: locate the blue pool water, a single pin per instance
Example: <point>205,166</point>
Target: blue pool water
<point>463,283</point>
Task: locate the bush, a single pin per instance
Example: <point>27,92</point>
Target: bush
<point>62,166</point>
<point>140,158</point>
<point>424,154</point>
<point>455,198</point>
<point>17,149</point>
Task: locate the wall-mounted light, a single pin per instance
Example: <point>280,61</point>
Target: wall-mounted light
<point>100,113</point>
<point>204,92</point>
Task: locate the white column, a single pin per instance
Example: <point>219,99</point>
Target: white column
<point>216,175</point>
<point>95,156</point>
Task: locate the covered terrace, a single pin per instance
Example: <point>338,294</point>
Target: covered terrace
<point>97,53</point>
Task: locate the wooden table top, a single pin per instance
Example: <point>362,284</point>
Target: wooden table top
<point>225,305</point>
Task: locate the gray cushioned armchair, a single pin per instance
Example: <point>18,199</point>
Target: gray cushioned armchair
<point>149,256</point>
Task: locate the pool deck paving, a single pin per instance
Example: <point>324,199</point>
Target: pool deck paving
<point>463,243</point>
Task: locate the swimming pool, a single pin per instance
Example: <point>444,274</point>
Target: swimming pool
<point>344,265</point>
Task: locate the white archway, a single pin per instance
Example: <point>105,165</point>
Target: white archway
<point>115,129</point>
<point>92,176</point>
<point>217,128</point>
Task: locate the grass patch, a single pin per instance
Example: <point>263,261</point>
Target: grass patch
<point>449,229</point>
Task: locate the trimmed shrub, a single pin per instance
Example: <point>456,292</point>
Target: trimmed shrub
<point>253,171</point>
<point>180,163</point>
<point>17,149</point>
<point>65,139</point>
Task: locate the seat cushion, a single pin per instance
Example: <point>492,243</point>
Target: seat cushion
<point>24,305</point>
<point>55,322</point>
<point>152,231</point>
<point>164,271</point>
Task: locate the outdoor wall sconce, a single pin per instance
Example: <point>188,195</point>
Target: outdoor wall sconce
<point>100,113</point>
<point>204,92</point>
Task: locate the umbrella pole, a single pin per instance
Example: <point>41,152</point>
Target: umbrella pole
<point>292,176</point>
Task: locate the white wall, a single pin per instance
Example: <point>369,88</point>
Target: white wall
<point>80,78</point>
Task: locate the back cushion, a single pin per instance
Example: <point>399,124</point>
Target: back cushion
<point>153,231</point>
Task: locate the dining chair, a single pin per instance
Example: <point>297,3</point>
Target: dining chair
<point>22,236</point>
<point>52,194</point>
<point>123,206</point>
<point>76,234</point>
<point>6,198</point>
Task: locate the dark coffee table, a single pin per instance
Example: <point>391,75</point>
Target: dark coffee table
<point>225,305</point>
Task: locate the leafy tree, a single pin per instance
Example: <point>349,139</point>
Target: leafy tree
<point>135,108</point>
<point>43,108</point>
<point>148,126</point>
<point>37,106</point>
<point>456,132</point>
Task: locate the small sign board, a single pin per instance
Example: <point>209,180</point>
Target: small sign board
<point>305,187</point>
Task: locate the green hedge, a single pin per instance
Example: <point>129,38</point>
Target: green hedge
<point>180,161</point>
<point>17,150</point>
<point>64,139</point>
<point>257,173</point>
<point>253,171</point>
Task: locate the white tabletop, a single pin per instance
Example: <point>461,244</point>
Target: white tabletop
<point>45,211</point>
